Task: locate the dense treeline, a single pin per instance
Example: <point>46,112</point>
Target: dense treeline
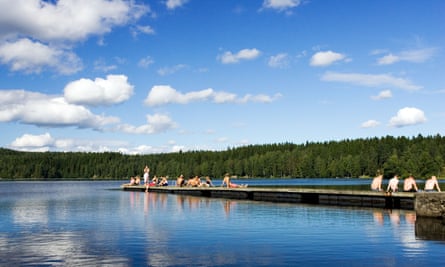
<point>420,156</point>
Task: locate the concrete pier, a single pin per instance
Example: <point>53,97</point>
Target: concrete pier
<point>430,204</point>
<point>399,200</point>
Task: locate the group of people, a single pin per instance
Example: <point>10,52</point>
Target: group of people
<point>409,184</point>
<point>194,182</point>
<point>181,181</point>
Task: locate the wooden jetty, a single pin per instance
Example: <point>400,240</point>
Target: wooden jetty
<point>398,200</point>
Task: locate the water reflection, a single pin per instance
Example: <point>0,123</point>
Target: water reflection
<point>81,224</point>
<point>430,229</point>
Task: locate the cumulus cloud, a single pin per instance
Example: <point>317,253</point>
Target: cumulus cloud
<point>244,54</point>
<point>156,123</point>
<point>281,5</point>
<point>45,142</point>
<point>28,140</point>
<point>112,90</point>
<point>37,35</point>
<point>164,94</point>
<point>415,56</point>
<point>382,95</point>
<point>279,61</point>
<point>407,116</point>
<point>370,80</point>
<point>325,58</point>
<point>44,110</point>
<point>370,124</point>
<point>64,19</point>
<point>33,57</point>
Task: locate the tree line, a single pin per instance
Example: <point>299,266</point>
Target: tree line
<point>419,156</point>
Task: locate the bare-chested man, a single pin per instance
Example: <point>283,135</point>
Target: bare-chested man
<point>432,183</point>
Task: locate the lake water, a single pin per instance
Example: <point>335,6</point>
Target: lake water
<point>95,224</point>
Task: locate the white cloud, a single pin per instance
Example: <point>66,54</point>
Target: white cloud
<point>416,56</point>
<point>112,90</point>
<point>145,62</point>
<point>325,58</point>
<point>370,124</point>
<point>370,80</point>
<point>281,4</point>
<point>101,65</point>
<point>156,123</point>
<point>172,4</point>
<point>171,70</point>
<point>64,19</point>
<point>28,140</point>
<point>135,31</point>
<point>244,54</point>
<point>383,95</point>
<point>407,116</point>
<point>43,110</point>
<point>37,35</point>
<point>164,94</point>
<point>279,61</point>
<point>33,57</point>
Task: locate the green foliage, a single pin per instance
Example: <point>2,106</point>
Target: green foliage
<point>419,156</point>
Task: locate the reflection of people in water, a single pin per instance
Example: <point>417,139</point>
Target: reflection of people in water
<point>228,204</point>
<point>378,216</point>
<point>410,217</point>
<point>394,217</point>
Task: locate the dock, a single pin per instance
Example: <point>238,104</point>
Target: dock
<point>356,198</point>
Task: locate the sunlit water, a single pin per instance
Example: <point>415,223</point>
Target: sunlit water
<point>93,224</point>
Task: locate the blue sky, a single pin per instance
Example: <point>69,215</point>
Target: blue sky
<point>161,76</point>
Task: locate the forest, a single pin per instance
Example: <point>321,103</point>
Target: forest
<point>421,156</point>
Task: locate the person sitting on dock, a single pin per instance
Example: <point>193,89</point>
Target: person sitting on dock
<point>409,184</point>
<point>393,185</point>
<point>180,181</point>
<point>376,184</point>
<point>164,181</point>
<point>432,183</point>
<point>208,182</point>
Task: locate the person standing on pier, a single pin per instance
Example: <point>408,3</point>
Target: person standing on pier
<point>146,174</point>
<point>393,185</point>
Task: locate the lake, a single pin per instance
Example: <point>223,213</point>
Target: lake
<point>96,224</point>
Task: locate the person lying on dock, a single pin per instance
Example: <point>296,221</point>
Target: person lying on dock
<point>432,183</point>
<point>393,185</point>
<point>132,181</point>
<point>226,181</point>
<point>194,182</point>
<point>137,181</point>
<point>409,184</point>
<point>376,184</point>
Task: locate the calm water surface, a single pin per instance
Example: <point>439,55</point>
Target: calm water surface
<point>93,224</point>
